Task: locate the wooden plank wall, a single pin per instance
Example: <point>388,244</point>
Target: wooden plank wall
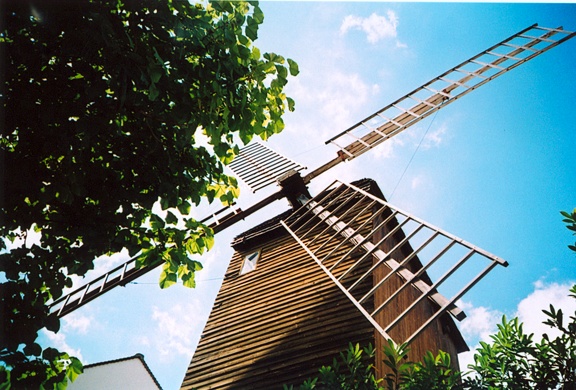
<point>280,323</point>
<point>442,334</point>
<point>276,325</point>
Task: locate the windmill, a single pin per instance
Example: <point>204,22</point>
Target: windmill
<point>353,249</point>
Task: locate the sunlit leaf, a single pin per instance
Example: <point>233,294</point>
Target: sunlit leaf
<point>167,277</point>
<point>74,369</point>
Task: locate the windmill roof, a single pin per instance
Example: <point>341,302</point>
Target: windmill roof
<point>272,227</point>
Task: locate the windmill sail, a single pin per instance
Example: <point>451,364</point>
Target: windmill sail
<point>279,321</point>
<point>364,222</point>
<point>259,166</point>
<point>441,91</point>
<point>129,271</point>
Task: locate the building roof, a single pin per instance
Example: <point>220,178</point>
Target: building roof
<point>272,227</point>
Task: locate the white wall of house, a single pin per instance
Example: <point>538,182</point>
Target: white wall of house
<point>125,374</point>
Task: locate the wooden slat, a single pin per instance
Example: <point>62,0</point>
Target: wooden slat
<point>259,166</point>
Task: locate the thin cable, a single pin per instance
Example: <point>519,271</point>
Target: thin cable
<point>413,154</point>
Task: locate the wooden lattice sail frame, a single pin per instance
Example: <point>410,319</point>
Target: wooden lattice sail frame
<point>357,217</point>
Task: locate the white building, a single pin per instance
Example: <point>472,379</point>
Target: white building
<point>126,374</point>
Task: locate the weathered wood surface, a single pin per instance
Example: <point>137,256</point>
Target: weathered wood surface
<point>276,325</point>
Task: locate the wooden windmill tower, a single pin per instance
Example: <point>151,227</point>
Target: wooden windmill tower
<point>344,265</point>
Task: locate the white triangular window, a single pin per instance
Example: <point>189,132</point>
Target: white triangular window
<point>250,262</point>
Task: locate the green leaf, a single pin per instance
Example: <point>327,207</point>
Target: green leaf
<point>184,207</point>
<point>33,349</point>
<point>171,218</point>
<point>209,242</point>
<point>255,53</point>
<point>196,265</point>
<point>155,74</point>
<point>293,67</point>
<point>52,323</point>
<point>74,369</point>
<point>156,222</point>
<point>222,6</point>
<point>282,72</point>
<point>290,103</point>
<point>189,280</point>
<point>252,29</point>
<point>192,246</point>
<point>275,58</point>
<point>167,277</point>
<point>153,92</point>
<point>258,15</point>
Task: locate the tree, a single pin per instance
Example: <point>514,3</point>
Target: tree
<point>515,361</point>
<point>104,104</point>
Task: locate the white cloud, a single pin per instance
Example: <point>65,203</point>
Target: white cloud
<point>530,308</point>
<point>435,137</point>
<point>342,95</point>
<point>58,341</point>
<point>77,322</point>
<point>142,340</point>
<point>416,182</point>
<point>375,26</point>
<point>482,322</point>
<point>175,334</point>
<point>340,98</point>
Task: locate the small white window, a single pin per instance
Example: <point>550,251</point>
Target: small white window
<point>250,262</point>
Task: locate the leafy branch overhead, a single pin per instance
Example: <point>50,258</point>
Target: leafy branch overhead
<point>114,107</point>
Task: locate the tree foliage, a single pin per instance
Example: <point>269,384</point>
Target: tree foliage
<point>512,360</point>
<point>105,104</point>
<point>354,370</point>
<point>515,361</point>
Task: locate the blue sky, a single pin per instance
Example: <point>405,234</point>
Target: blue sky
<point>494,168</point>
